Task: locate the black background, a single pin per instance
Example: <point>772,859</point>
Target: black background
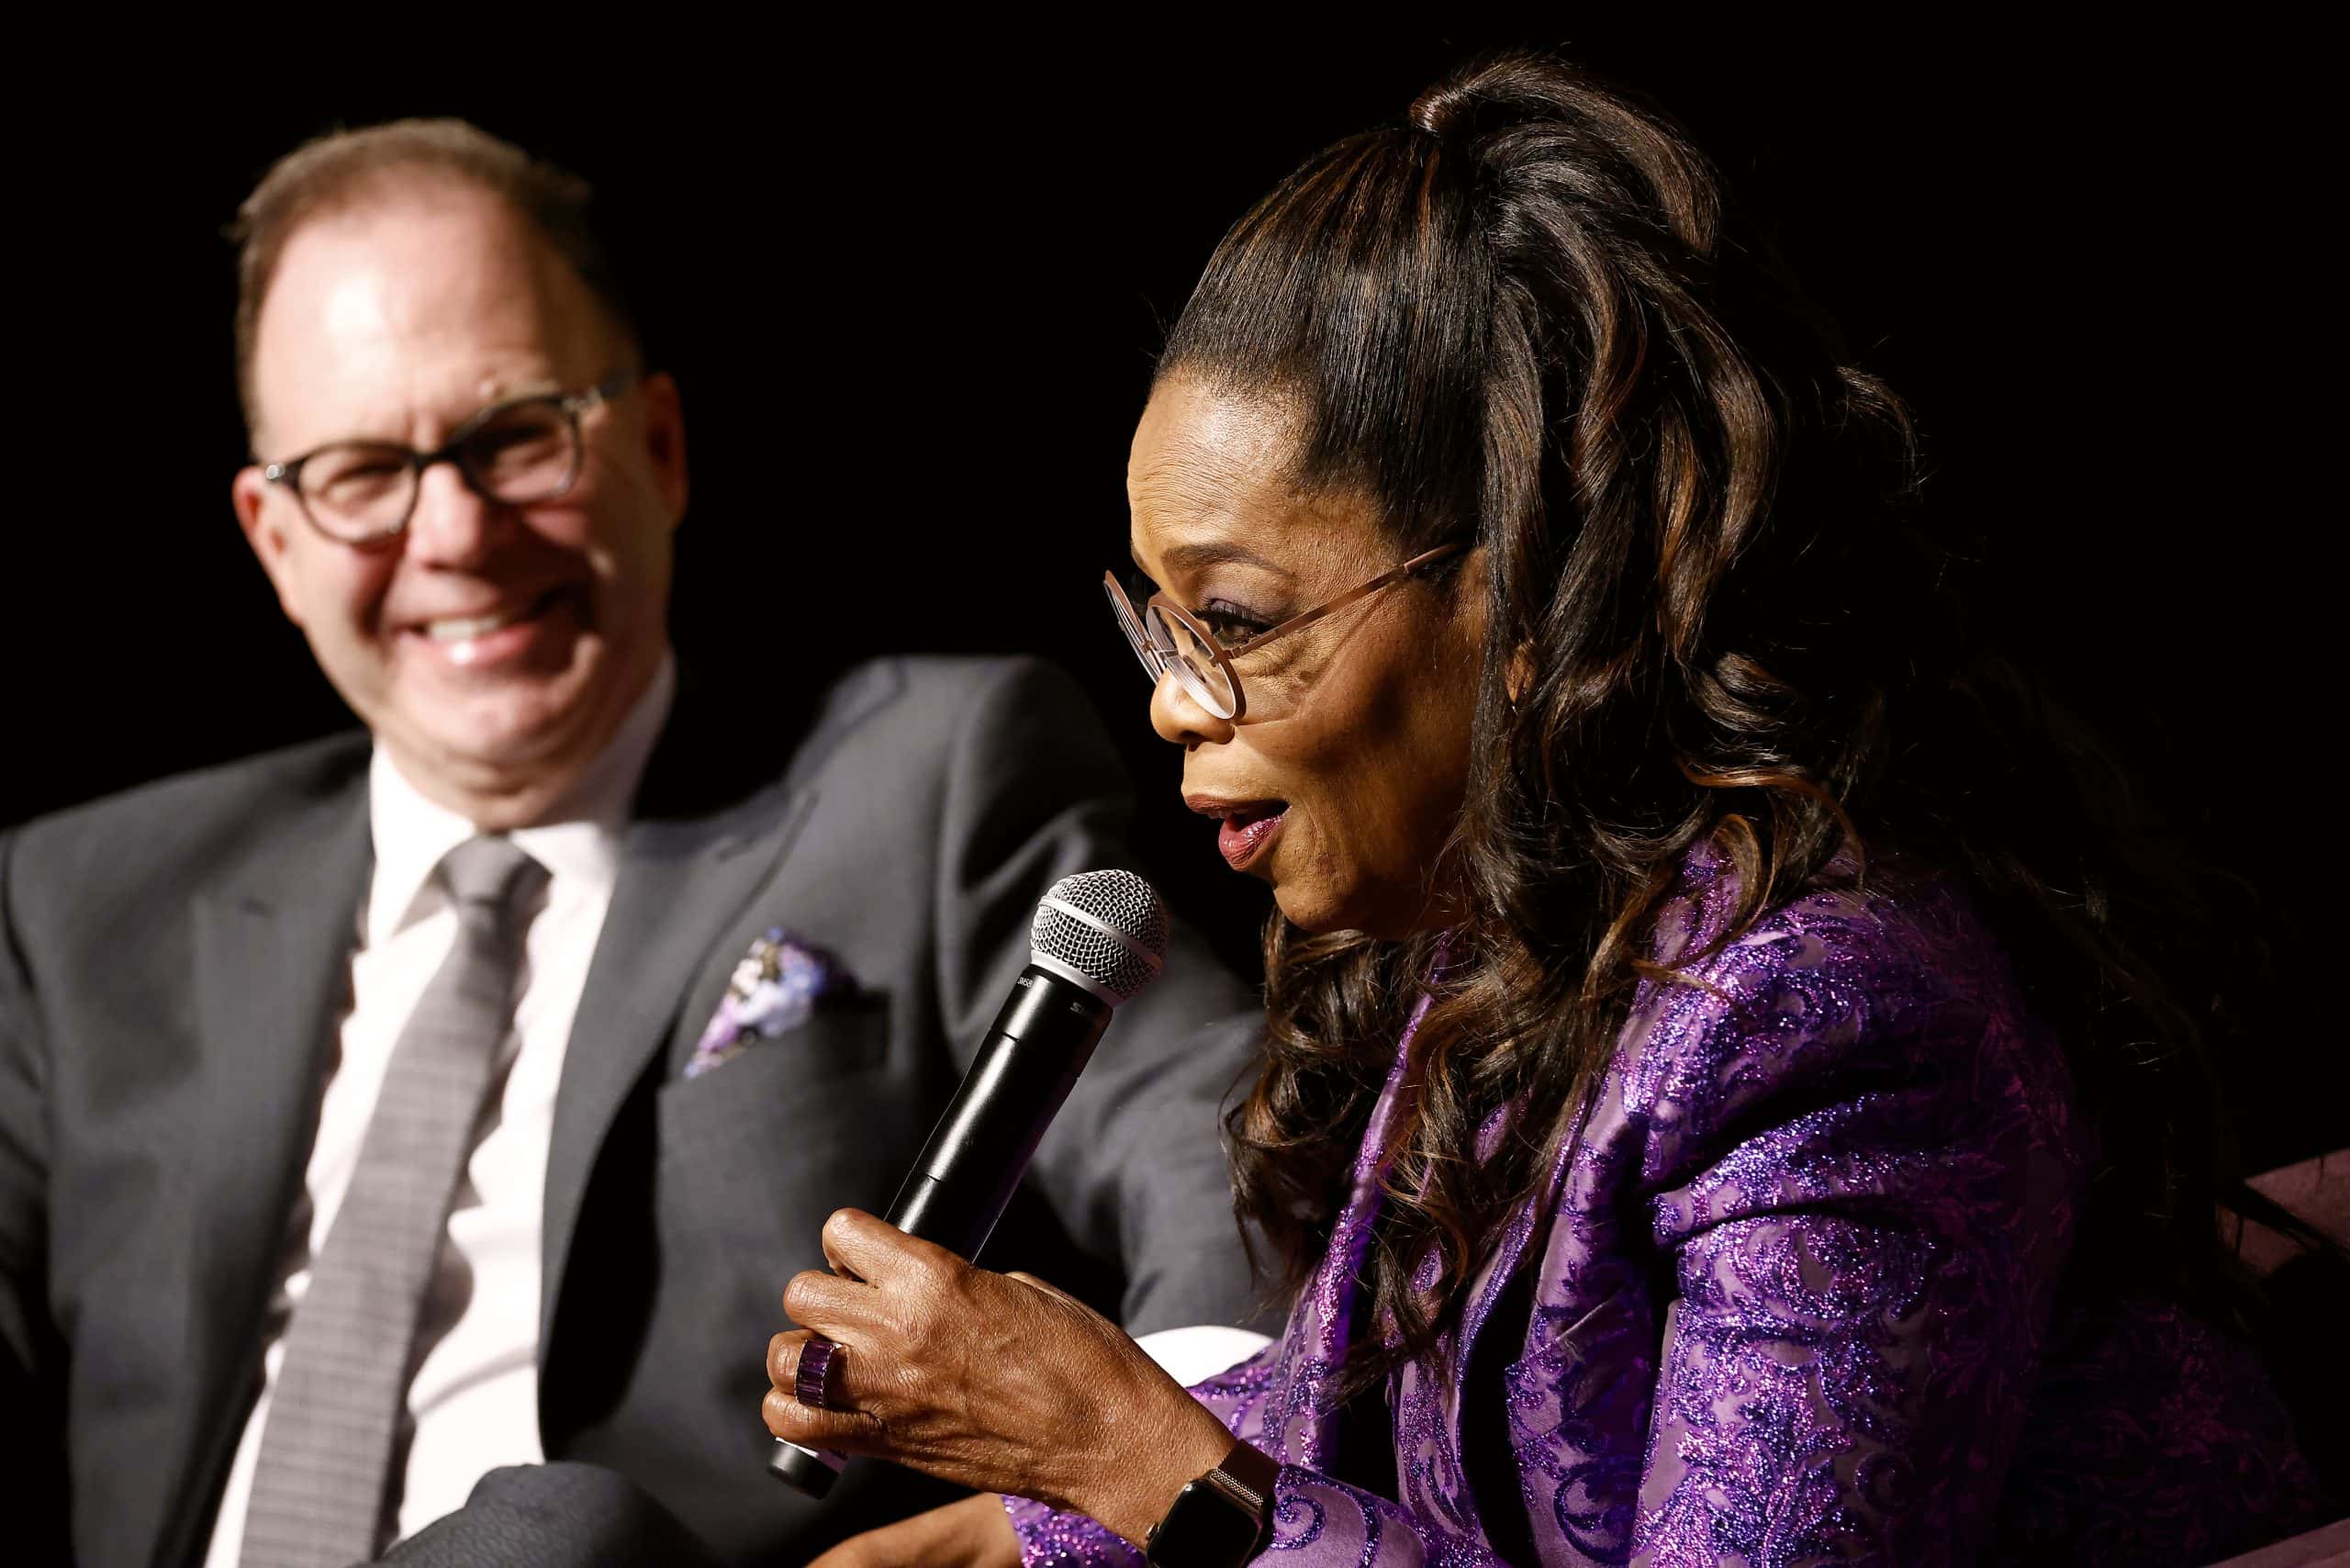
<point>911,281</point>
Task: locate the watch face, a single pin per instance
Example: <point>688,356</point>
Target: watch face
<point>1203,1529</point>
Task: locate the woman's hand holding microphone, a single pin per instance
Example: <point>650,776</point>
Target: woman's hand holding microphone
<point>999,1383</point>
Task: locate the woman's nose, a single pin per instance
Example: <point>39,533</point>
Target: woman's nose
<point>1176,715</point>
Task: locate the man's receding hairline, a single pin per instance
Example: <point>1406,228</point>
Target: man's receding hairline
<point>378,192</point>
<point>352,175</point>
<point>387,185</point>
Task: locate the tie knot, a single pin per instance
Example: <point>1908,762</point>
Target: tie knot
<point>489,876</point>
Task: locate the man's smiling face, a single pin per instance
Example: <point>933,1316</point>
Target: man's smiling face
<point>493,649</point>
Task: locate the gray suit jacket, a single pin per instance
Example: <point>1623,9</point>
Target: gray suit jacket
<point>173,961</point>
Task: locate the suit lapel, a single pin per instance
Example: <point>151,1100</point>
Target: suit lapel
<point>682,886</point>
<point>271,952</point>
<point>720,804</point>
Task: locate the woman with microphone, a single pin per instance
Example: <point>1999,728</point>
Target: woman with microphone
<point>1714,1111</point>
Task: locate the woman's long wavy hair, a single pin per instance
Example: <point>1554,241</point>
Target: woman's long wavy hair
<point>1526,316</point>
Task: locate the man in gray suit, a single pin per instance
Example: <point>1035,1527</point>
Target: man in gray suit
<point>386,1115</point>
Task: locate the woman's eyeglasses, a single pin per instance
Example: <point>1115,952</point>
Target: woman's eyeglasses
<point>1168,639</point>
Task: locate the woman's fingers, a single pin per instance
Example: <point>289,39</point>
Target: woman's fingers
<point>864,1247</point>
<point>840,1423</point>
<point>787,1349</point>
<point>783,1357</point>
<point>846,1431</point>
<point>834,1307</point>
<point>784,1353</point>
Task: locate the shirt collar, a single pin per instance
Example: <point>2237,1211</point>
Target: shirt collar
<point>579,845</point>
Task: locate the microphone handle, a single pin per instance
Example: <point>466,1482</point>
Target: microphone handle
<point>966,1174</point>
<point>977,1154</point>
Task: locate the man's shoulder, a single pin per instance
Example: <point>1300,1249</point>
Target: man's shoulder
<point>939,704</point>
<point>921,690</point>
<point>155,829</point>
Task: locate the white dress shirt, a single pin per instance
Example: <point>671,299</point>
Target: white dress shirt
<point>472,1404</point>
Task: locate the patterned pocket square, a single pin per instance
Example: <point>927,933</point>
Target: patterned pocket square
<point>774,989</point>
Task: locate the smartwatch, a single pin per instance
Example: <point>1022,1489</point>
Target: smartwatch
<point>1222,1520</point>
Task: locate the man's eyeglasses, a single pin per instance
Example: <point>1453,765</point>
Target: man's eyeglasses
<point>1167,638</point>
<point>525,450</point>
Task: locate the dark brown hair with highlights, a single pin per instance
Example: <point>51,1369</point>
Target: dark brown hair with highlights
<point>1528,317</point>
<point>333,172</point>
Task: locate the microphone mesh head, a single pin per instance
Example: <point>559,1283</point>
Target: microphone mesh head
<point>1105,929</point>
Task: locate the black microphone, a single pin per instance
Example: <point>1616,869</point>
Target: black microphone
<point>1099,938</point>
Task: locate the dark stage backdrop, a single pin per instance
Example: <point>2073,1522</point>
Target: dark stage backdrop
<point>912,284</point>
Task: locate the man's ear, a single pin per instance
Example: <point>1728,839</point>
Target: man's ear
<point>664,440</point>
<point>264,529</point>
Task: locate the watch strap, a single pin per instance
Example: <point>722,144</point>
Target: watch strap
<point>1243,1482</point>
<point>1246,1475</point>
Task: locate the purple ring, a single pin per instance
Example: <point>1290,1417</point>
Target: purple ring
<point>812,1384</point>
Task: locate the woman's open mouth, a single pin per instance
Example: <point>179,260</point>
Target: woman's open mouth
<point>1247,834</point>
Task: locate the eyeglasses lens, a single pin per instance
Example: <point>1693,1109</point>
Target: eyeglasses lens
<point>1195,665</point>
<point>1121,607</point>
<point>358,490</point>
<point>527,453</point>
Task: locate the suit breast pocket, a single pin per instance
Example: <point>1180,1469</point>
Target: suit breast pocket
<point>790,1129</point>
<point>777,1075</point>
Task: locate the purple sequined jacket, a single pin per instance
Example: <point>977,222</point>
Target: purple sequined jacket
<point>1797,1302</point>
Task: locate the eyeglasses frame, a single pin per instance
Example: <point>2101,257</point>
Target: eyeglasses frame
<point>1155,664</point>
<point>572,405</point>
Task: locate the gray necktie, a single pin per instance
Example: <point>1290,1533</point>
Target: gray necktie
<point>319,1494</point>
